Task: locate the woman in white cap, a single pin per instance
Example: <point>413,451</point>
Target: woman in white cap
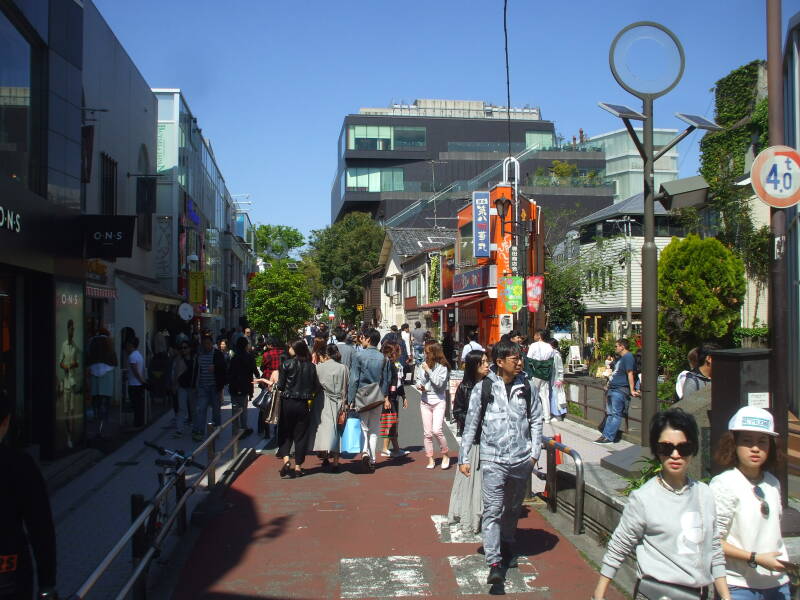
<point>748,500</point>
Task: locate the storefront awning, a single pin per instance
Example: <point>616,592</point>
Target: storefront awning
<point>456,300</point>
<point>150,289</point>
<point>100,291</point>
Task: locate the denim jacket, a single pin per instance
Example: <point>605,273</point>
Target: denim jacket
<point>508,435</point>
<point>366,368</point>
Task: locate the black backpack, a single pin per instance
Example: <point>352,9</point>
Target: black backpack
<point>486,398</point>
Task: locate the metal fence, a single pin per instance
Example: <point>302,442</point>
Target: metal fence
<point>145,546</point>
<point>552,446</point>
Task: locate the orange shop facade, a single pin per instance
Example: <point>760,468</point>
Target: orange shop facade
<point>470,283</point>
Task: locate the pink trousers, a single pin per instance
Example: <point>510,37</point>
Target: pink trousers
<point>432,420</point>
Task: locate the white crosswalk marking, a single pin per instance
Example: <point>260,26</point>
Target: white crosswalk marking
<point>384,577</point>
<point>470,573</point>
<point>452,533</point>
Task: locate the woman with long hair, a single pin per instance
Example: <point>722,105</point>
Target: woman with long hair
<point>392,351</point>
<point>748,499</point>
<point>332,375</point>
<point>466,500</point>
<point>318,349</point>
<point>669,523</point>
<point>431,380</point>
<point>298,383</point>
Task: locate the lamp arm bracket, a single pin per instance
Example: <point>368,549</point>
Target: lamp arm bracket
<point>674,141</point>
<point>637,142</point>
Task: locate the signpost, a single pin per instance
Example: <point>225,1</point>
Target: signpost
<point>775,176</point>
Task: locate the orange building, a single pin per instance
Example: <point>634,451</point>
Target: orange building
<point>485,249</point>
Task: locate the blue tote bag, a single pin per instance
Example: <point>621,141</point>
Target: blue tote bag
<point>352,437</point>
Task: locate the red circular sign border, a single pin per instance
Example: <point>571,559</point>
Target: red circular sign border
<point>755,173</point>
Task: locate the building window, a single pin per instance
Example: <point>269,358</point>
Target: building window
<point>17,105</point>
<point>385,137</point>
<point>412,287</point>
<point>108,185</point>
<point>539,139</point>
<point>374,180</point>
<point>466,249</point>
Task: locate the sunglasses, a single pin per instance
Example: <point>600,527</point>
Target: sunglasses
<point>666,449</point>
<point>761,498</point>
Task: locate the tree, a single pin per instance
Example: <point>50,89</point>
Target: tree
<point>277,241</point>
<point>345,252</point>
<point>701,286</point>
<point>563,169</point>
<point>278,301</point>
<point>562,293</point>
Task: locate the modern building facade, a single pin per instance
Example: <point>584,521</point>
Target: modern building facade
<point>204,250</point>
<point>624,169</point>
<point>41,266</point>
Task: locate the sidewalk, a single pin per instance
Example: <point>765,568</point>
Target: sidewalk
<point>354,535</point>
<point>93,510</point>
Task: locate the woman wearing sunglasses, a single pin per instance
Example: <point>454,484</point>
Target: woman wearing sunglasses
<point>748,501</point>
<point>670,523</point>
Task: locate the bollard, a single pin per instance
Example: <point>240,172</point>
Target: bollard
<point>552,485</point>
<point>180,490</point>
<point>138,545</point>
<point>212,475</point>
<point>557,438</point>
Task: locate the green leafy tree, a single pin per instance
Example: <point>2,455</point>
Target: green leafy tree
<point>563,169</point>
<point>279,301</point>
<point>277,241</point>
<point>701,286</point>
<point>345,252</point>
<point>562,299</point>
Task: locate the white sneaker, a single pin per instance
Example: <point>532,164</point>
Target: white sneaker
<point>445,462</point>
<point>430,466</point>
<point>386,453</point>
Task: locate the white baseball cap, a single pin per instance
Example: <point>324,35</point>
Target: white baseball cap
<point>750,418</point>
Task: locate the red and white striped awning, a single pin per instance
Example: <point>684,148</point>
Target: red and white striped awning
<point>100,291</point>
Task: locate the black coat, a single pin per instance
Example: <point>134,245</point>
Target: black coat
<point>298,379</point>
<point>241,372</point>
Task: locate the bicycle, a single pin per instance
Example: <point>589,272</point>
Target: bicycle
<point>169,470</point>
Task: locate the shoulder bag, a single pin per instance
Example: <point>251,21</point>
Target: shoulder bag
<point>370,396</point>
<point>653,589</point>
<point>274,408</point>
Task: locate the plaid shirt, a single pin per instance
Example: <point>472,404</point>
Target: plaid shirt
<point>270,361</point>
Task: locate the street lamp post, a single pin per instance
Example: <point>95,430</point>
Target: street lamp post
<point>632,54</point>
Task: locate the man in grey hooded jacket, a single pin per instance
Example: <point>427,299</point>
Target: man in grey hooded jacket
<point>510,441</point>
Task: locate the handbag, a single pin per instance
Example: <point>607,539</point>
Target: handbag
<point>259,400</point>
<point>653,589</point>
<point>341,416</point>
<point>370,396</point>
<point>274,408</point>
<point>388,420</point>
<point>352,437</point>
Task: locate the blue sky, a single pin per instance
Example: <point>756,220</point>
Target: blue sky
<point>270,82</point>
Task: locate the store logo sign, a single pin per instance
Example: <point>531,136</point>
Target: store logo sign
<point>10,220</point>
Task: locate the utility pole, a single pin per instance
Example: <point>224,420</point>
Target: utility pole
<point>777,291</point>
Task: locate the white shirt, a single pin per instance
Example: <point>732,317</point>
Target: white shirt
<point>742,524</point>
<point>407,340</point>
<point>469,348</point>
<point>135,358</point>
<point>540,351</point>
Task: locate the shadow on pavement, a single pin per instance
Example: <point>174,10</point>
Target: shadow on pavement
<point>531,542</point>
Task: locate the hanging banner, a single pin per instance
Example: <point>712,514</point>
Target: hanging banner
<point>480,224</point>
<point>197,287</point>
<point>509,290</point>
<point>535,291</point>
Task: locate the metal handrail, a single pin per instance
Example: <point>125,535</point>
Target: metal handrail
<point>552,446</point>
<point>151,505</point>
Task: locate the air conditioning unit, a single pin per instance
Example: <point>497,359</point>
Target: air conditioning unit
<point>397,300</point>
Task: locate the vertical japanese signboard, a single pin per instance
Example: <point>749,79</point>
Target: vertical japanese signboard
<point>480,224</point>
<point>535,289</point>
<point>197,287</point>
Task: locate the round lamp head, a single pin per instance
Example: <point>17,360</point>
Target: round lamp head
<point>646,59</point>
<point>501,204</point>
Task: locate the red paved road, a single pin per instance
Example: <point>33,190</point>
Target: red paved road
<point>302,538</point>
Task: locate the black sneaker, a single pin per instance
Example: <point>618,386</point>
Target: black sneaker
<point>510,559</point>
<point>495,575</point>
<point>602,440</point>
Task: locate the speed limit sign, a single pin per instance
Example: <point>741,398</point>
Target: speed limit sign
<point>775,176</point>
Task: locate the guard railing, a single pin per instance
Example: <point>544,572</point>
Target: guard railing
<point>552,447</point>
<point>145,548</point>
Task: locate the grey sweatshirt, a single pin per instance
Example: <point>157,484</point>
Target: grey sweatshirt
<point>675,536</point>
<point>508,435</point>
